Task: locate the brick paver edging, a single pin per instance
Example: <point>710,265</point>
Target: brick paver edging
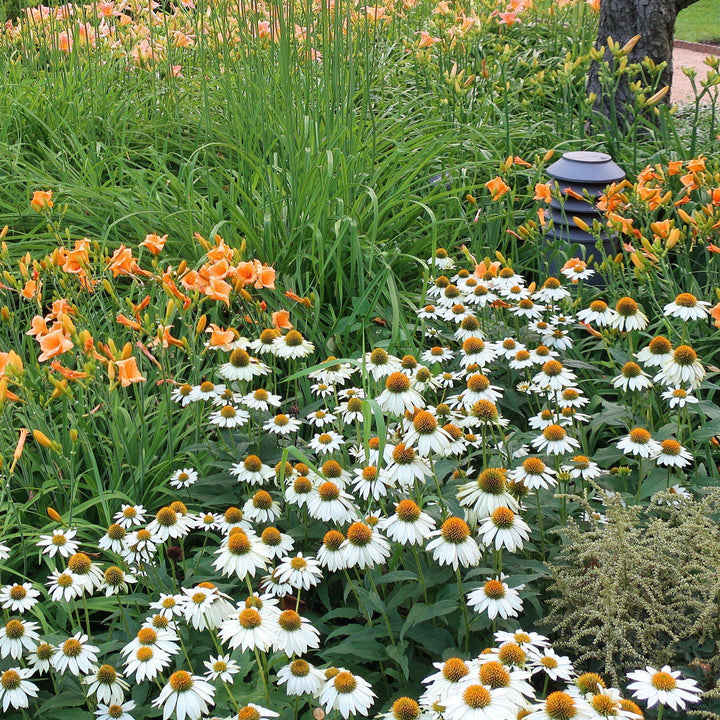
<point>698,47</point>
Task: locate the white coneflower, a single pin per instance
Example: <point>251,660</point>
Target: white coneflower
<point>379,363</point>
<point>364,547</point>
<point>301,678</point>
<point>514,293</point>
<point>295,635</point>
<point>348,694</point>
<point>261,508</point>
<point>320,418</point>
<point>333,372</point>
<point>427,435</point>
<point>86,571</point>
<point>487,493</point>
<point>452,675</point>
<point>299,491</point>
<point>673,454</point>
<point>555,441</point>
<point>437,354</point>
<point>639,442</point>
<point>229,417</point>
<point>476,702</point>
<point>185,695</point>
<point>571,397</point>
<point>453,545</point>
<point>277,543</point>
<point>477,387</point>
<point>248,630</point>
<point>119,711</point>
<point>528,309</point>
<point>664,687</point>
<point>496,598</point>
<point>300,572</point>
<point>164,640</point>
<point>554,375</point>
<point>598,313</point>
<point>204,606</point>
<point>327,442</point>
<point>263,345</point>
<point>504,529</point>
<point>116,581</point>
<point>682,367</point>
<point>18,636</point>
<point>656,352</point>
<point>281,424</point>
<point>542,353</point>
<point>583,468</point>
<point>184,478</point>
<point>64,585</point>
<point>114,539</point>
<point>252,711</point>
<point>441,259</point>
<point>526,640</point>
<point>261,399</point>
<point>398,397</point>
<point>408,525</point>
<point>183,394</point>
<point>556,667</point>
<point>533,474</point>
<point>329,554</point>
<point>559,706</point>
<point>687,307</point>
<point>351,410</point>
<point>207,390</point>
<point>75,655</point>
<point>293,345</point>
<point>18,598</point>
<point>558,339</point>
<point>130,515</point>
<point>551,291</point>
<point>330,503</point>
<point>169,524</point>
<point>168,606</point>
<point>371,482</point>
<point>609,703</point>
<point>241,555</point>
<point>60,542</point>
<point>107,685</point>
<point>140,546</point>
<point>628,316</point>
<point>512,683</point>
<point>429,312</point>
<point>521,360</point>
<point>678,397</point>
<point>252,470</point>
<point>16,689</point>
<point>632,377</point>
<point>481,296</point>
<point>241,366</point>
<point>146,663</point>
<point>404,465</point>
<point>221,668</point>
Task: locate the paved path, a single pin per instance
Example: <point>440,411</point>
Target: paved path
<point>689,55</point>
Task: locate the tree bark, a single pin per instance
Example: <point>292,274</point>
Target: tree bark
<point>654,21</point>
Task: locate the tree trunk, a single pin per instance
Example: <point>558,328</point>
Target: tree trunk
<point>654,21</point>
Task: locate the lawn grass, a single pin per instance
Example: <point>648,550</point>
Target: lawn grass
<point>699,22</point>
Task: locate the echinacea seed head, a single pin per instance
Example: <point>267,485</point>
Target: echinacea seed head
<point>533,466</point>
<point>233,515</point>
<point>228,412</point>
<point>262,500</point>
<point>106,674</point>
<point>397,382</point>
<point>219,666</point>
<point>437,351</point>
<point>267,336</point>
<point>65,580</point>
<point>248,713</point>
<point>492,481</point>
<point>554,433</point>
<point>238,543</point>
<point>424,423</point>
<point>453,431</point>
<point>14,629</point>
<point>632,707</point>
<point>281,420</point>
<point>405,708</point>
<point>354,404</point>
<point>18,592</point>
<point>179,507</point>
<point>252,463</point>
<point>249,618</point>
<point>130,512</point>
<point>261,395</point>
<point>407,511</point>
<point>344,682</point>
<point>503,518</point>
<point>526,304</point>
<point>116,532</point>
<point>552,368</point>
<point>333,539</point>
<point>181,681</point>
<point>484,410</point>
<point>359,534</point>
<point>147,636</point>
<point>329,491</point>
<point>331,469</point>
<point>455,530</point>
<point>408,362</point>
<point>71,647</point>
<point>560,706</point>
<point>300,668</point>
<point>476,697</point>
<point>626,307</point>
<point>370,473</point>
<point>144,654</point>
<point>206,386</point>
<point>185,389</point>
<point>80,564</point>
<point>289,621</point>
<point>298,563</point>
<point>114,576</point>
<point>631,370</point>
<point>10,680</point>
<point>494,675</point>
<point>549,662</point>
<point>686,300</point>
<point>663,681</point>
<point>589,683</point>
<point>302,485</point>
<point>542,351</point>
<point>293,339</point>
<point>470,324</point>
<point>454,670</point>
<point>473,345</point>
<point>379,357</point>
<point>271,536</point>
<point>403,454</point>
<point>604,705</point>
<point>660,346</point>
<point>442,282</point>
<point>684,355</point>
<point>598,306</point>
<point>552,283</point>
<point>59,540</point>
<point>640,436</point>
<point>670,447</point>
<point>478,383</point>
<point>166,517</point>
<point>198,598</point>
<point>511,653</point>
<point>494,589</point>
<point>160,622</point>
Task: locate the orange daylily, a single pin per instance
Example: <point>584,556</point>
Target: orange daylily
<point>713,248</point>
<point>483,268</point>
<point>31,290</point>
<point>154,243</point>
<point>302,300</point>
<point>675,167</point>
<point>38,326</point>
<point>265,277</point>
<point>715,196</point>
<point>41,199</point>
<point>166,339</point>
<point>128,372</point>
<point>53,344</point>
<point>543,192</point>
<point>427,40</point>
<point>715,315</point>
<point>246,273</point>
<point>10,361</point>
<point>66,372</point>
<point>281,320</point>
<point>696,165</point>
<point>497,187</point>
<point>128,322</point>
<point>218,290</point>
<point>220,338</point>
